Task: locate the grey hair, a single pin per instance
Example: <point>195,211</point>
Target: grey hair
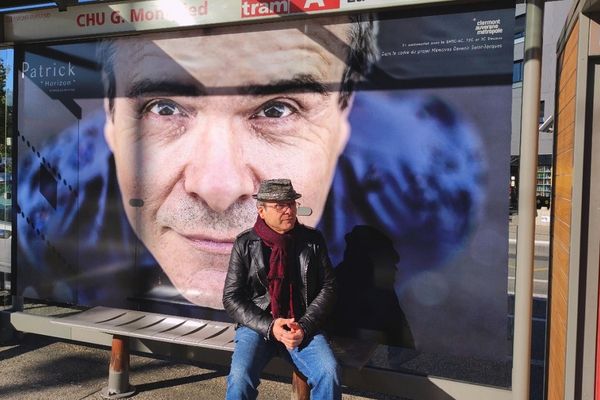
<point>363,52</point>
<point>362,55</point>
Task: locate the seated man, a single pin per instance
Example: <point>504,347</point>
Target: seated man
<point>280,289</point>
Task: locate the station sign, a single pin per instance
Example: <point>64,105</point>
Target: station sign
<point>98,19</point>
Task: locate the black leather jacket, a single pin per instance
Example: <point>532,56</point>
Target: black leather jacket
<point>246,297</point>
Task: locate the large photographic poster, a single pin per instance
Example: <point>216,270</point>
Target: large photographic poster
<point>138,156</point>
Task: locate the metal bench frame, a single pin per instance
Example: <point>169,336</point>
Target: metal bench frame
<point>125,324</point>
<point>396,383</point>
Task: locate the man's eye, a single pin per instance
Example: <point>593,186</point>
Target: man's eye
<point>164,108</point>
<point>275,110</point>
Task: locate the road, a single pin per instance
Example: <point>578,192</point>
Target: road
<point>541,253</point>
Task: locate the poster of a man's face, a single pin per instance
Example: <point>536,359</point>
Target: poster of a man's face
<point>391,127</point>
<point>206,138</point>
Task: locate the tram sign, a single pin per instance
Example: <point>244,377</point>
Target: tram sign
<point>97,19</point>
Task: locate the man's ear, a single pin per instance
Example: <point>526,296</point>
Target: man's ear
<point>109,126</point>
<point>345,128</point>
<point>261,212</point>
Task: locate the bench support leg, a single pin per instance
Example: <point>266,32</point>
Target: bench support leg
<point>300,388</point>
<point>118,371</point>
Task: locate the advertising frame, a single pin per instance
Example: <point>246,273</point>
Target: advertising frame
<point>452,388</point>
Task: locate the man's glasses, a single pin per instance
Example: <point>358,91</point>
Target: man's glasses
<point>281,207</point>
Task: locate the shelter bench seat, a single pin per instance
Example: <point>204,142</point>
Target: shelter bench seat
<point>124,324</point>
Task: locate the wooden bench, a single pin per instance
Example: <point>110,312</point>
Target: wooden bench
<point>125,324</point>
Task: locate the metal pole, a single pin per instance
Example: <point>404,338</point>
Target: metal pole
<point>527,203</point>
<point>118,371</point>
<point>5,154</point>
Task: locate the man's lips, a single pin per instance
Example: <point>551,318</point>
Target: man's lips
<point>209,244</point>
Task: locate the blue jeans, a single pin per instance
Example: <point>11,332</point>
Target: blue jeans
<point>314,360</point>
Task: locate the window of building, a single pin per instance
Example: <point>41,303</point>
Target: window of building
<point>517,71</point>
<point>519,27</point>
<point>542,104</point>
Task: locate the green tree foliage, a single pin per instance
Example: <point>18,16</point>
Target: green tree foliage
<point>5,115</point>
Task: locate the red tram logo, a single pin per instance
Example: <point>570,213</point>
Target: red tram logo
<point>260,8</point>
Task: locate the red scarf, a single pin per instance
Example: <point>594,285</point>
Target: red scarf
<point>280,277</point>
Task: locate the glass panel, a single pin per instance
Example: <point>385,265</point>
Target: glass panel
<point>132,194</point>
<point>6,69</point>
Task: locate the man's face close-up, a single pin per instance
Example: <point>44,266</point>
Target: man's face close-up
<point>279,216</point>
<point>199,121</point>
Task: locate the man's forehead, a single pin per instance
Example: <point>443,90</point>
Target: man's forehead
<point>234,60</point>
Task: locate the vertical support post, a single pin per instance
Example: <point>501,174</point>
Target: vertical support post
<point>17,301</point>
<point>300,388</point>
<point>597,375</point>
<point>521,374</point>
<point>118,371</point>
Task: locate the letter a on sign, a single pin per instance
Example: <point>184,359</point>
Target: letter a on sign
<point>298,6</point>
<point>309,3</point>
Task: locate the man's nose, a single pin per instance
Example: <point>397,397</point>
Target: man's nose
<point>218,172</point>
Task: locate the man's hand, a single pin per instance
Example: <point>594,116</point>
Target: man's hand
<point>288,332</point>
